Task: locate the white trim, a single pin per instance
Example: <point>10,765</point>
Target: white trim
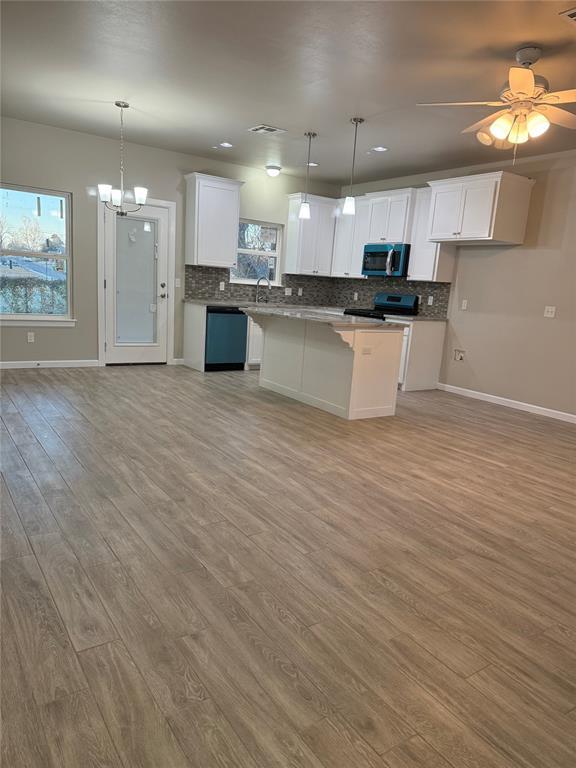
<point>505,401</point>
<point>176,361</point>
<point>170,206</point>
<point>50,364</point>
<point>28,320</point>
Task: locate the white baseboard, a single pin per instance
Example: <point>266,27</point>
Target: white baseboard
<point>4,365</point>
<point>518,404</point>
<point>176,361</point>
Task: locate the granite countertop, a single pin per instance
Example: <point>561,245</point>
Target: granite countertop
<point>305,308</point>
<point>330,316</point>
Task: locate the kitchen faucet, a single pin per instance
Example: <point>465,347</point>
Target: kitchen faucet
<point>258,288</point>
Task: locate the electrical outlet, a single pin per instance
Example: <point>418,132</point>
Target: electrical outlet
<point>222,286</point>
<point>430,300</point>
<point>177,283</point>
<point>31,337</point>
<point>355,295</point>
<point>459,355</point>
<point>549,311</point>
<point>464,305</point>
<point>300,291</point>
<point>287,291</point>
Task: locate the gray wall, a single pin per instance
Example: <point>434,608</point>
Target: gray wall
<point>511,350</point>
<point>53,158</point>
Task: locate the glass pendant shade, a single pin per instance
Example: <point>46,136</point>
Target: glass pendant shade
<point>537,124</point>
<point>140,195</point>
<point>116,197</point>
<point>484,137</point>
<point>519,132</point>
<point>349,207</point>
<point>304,212</point>
<point>501,128</point>
<point>104,191</point>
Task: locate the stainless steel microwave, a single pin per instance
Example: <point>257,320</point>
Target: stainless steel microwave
<point>386,260</point>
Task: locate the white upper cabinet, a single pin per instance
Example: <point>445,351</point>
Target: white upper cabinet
<point>488,207</point>
<point>428,260</point>
<point>212,220</point>
<point>351,235</point>
<point>309,242</point>
<point>391,216</point>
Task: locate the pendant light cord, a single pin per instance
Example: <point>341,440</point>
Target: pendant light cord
<point>121,157</point>
<point>311,135</point>
<point>356,121</point>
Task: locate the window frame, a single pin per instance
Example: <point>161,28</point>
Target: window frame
<point>26,319</point>
<point>277,282</point>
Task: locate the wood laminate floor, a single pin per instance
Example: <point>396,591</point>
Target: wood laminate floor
<point>197,572</point>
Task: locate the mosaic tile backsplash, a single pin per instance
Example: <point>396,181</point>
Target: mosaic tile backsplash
<point>203,283</point>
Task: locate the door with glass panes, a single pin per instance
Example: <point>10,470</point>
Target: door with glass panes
<point>136,286</point>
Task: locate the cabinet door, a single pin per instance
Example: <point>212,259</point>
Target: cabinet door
<point>379,216</point>
<point>307,242</point>
<point>360,238</point>
<point>343,239</point>
<point>423,252</point>
<point>446,212</point>
<point>217,224</point>
<point>478,209</point>
<point>398,218</point>
<point>324,240</point>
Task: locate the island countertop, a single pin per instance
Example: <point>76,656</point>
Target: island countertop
<point>334,317</point>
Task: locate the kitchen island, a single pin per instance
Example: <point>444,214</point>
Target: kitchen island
<point>342,364</point>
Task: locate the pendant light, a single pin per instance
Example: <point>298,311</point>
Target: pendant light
<point>349,207</point>
<point>114,199</point>
<point>304,212</point>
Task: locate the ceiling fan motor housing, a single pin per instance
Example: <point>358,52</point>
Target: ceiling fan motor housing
<point>528,55</point>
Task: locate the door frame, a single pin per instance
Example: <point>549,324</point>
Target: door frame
<point>170,206</point>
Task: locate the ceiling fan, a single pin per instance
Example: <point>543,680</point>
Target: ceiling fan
<point>528,106</point>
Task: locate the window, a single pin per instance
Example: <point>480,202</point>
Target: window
<point>258,252</point>
<point>34,253</point>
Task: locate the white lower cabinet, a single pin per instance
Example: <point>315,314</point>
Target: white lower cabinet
<point>422,348</point>
<point>255,344</point>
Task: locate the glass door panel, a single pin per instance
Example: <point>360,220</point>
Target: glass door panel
<point>136,281</point>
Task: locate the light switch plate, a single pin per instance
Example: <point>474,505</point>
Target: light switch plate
<point>464,305</point>
<point>550,312</point>
<point>430,300</point>
<point>31,337</point>
<point>300,291</point>
<point>355,295</point>
<point>222,285</point>
<point>177,283</point>
<point>287,291</point>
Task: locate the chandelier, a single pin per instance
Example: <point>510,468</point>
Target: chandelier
<point>113,198</point>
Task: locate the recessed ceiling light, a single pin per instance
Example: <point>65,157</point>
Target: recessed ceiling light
<point>313,165</point>
<point>226,144</point>
<point>273,170</point>
<point>380,149</point>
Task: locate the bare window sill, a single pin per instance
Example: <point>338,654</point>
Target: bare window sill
<point>30,321</point>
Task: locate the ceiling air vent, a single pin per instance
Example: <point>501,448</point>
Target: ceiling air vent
<point>570,15</point>
<point>265,129</point>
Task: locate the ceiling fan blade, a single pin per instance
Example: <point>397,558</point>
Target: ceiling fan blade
<point>559,97</point>
<point>485,121</point>
<point>558,116</point>
<point>521,81</point>
<point>463,104</point>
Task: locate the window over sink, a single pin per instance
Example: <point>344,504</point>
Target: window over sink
<point>259,246</point>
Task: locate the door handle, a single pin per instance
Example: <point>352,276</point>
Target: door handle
<point>389,262</point>
<point>162,295</point>
<point>162,285</point>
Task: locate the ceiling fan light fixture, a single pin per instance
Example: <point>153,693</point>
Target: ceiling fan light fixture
<point>537,124</point>
<point>501,128</point>
<point>519,131</point>
<point>484,137</point>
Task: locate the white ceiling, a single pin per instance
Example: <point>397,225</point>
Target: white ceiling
<point>197,73</point>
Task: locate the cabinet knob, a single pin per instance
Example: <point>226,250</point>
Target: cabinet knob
<point>383,238</point>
